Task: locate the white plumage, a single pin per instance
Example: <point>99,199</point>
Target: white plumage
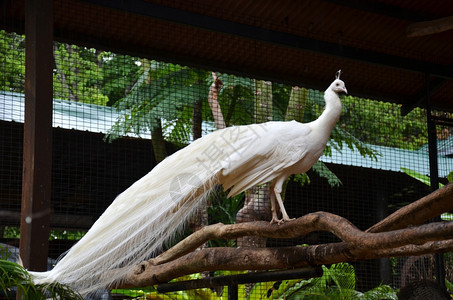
<point>151,211</point>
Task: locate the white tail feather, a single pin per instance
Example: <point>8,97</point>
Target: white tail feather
<point>136,224</point>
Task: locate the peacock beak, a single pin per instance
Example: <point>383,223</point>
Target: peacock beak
<point>345,90</point>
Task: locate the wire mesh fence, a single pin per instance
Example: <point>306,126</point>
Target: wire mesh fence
<point>115,117</point>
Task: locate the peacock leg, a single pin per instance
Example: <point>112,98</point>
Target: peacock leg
<point>274,209</point>
<point>285,216</point>
<point>276,188</point>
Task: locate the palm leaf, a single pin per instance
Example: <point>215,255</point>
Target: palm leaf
<point>420,177</point>
<point>14,277</point>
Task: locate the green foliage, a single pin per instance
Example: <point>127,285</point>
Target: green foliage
<point>78,74</point>
<point>13,232</point>
<point>237,100</point>
<point>302,179</point>
<point>337,282</point>
<point>281,94</point>
<point>224,210</point>
<point>450,177</point>
<point>92,76</point>
<point>14,277</point>
<point>321,169</point>
<point>120,72</point>
<point>420,177</point>
<point>162,92</point>
<point>151,292</point>
<point>4,253</point>
<point>449,286</point>
<point>381,123</point>
<point>12,62</point>
<point>342,135</point>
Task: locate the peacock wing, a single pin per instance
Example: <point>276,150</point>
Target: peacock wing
<point>262,160</point>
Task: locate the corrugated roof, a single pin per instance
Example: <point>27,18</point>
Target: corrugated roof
<point>77,115</point>
<point>95,118</point>
<point>66,114</point>
<point>390,159</point>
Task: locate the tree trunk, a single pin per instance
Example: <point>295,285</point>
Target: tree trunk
<point>197,120</point>
<point>296,104</point>
<point>200,218</point>
<point>214,102</point>
<point>158,142</point>
<point>72,96</point>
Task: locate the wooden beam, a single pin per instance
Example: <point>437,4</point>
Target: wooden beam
<point>260,34</point>
<point>37,159</point>
<point>389,10</point>
<point>63,221</point>
<point>419,99</point>
<point>430,27</point>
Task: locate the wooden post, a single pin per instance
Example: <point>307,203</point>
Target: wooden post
<point>37,160</point>
<point>439,265</point>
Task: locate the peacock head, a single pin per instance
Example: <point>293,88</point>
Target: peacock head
<point>338,85</point>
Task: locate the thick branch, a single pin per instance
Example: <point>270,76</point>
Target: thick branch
<point>211,259</point>
<point>430,27</point>
<point>299,227</point>
<point>360,245</point>
<point>409,250</point>
<point>389,237</point>
<point>320,221</point>
<point>418,212</point>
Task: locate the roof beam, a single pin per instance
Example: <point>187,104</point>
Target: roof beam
<point>386,10</point>
<point>421,97</point>
<point>270,36</point>
<point>430,27</point>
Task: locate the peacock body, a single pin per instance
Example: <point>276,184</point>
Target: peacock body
<point>146,215</point>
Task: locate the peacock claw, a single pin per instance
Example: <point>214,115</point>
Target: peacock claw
<point>281,221</point>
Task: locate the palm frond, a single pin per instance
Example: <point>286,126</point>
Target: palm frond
<point>15,279</point>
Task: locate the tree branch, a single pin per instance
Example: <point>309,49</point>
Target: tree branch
<point>214,90</point>
<point>211,259</point>
<point>430,27</point>
<point>420,211</point>
<point>359,245</point>
<point>387,238</point>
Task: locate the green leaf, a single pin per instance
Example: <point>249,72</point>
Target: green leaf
<point>420,177</point>
<point>449,285</point>
<point>450,177</point>
<point>323,171</point>
<point>13,275</point>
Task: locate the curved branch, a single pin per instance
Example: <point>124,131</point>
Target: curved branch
<point>360,245</point>
<point>296,228</point>
<point>319,221</point>
<point>387,238</point>
<point>420,211</point>
<point>211,259</point>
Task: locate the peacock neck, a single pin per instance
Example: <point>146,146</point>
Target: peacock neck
<point>331,113</point>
